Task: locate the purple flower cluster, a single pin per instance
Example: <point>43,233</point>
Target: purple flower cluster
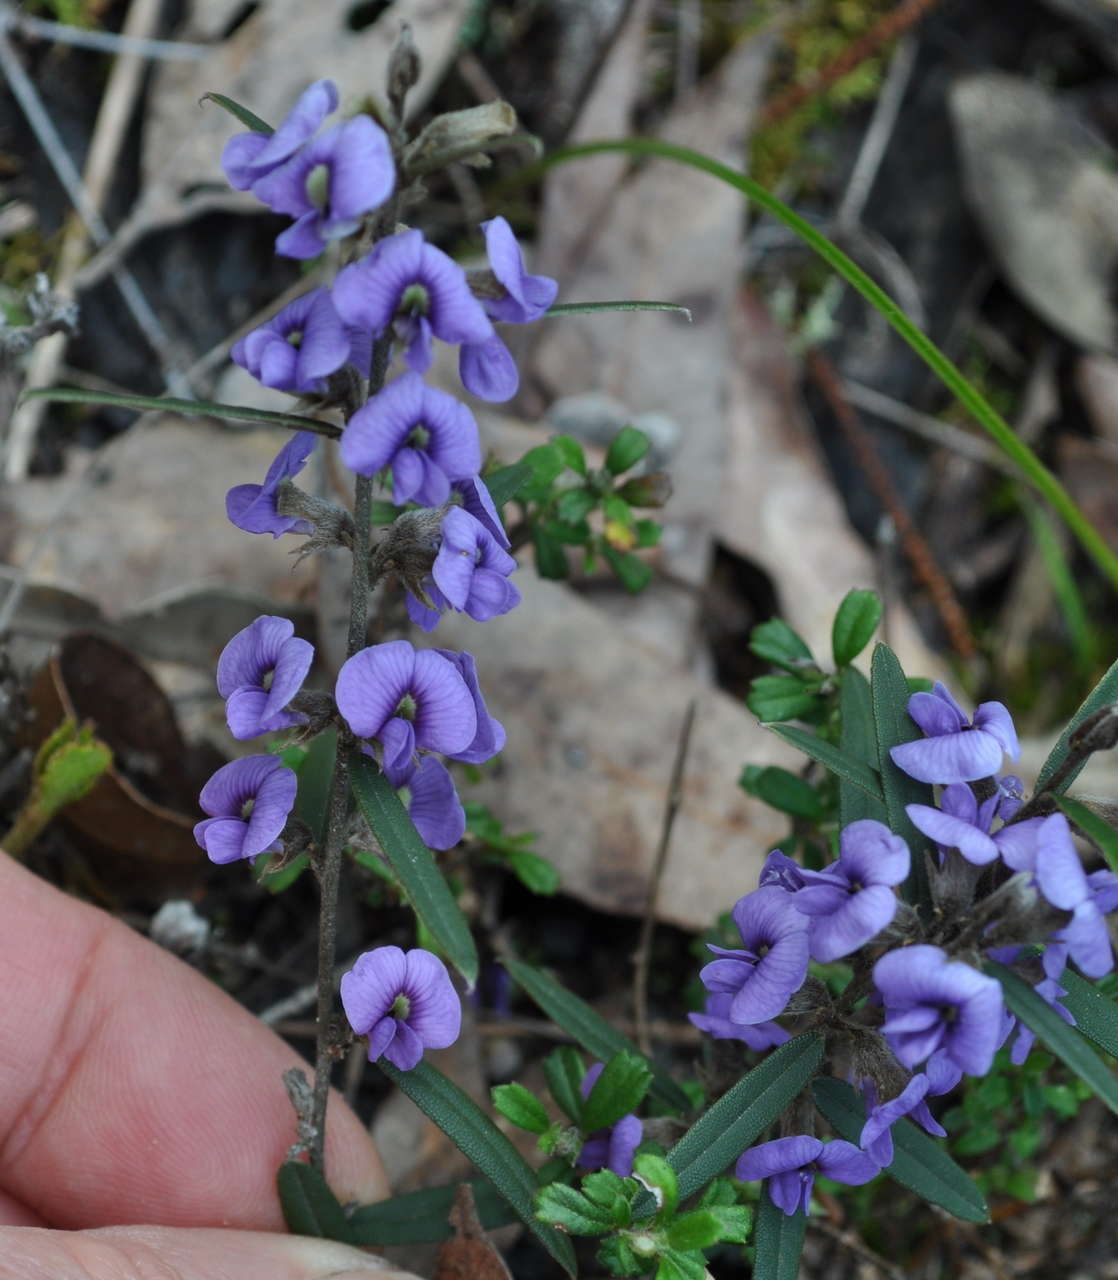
<point>940,1017</point>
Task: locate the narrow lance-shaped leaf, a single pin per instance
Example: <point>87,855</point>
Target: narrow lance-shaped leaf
<point>1065,1042</point>
<point>506,482</point>
<point>919,1163</point>
<point>859,741</point>
<point>420,1217</point>
<point>197,408</point>
<point>1104,693</point>
<point>889,695</point>
<point>588,1028</point>
<point>632,304</point>
<point>728,1127</point>
<point>1095,1015</point>
<point>779,1241</point>
<point>310,1208</point>
<point>854,625</point>
<point>414,864</point>
<point>483,1144</point>
<point>249,119</point>
<point>840,763</point>
<point>619,1089</point>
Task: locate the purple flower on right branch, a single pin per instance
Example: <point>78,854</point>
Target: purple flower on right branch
<point>470,574</point>
<point>404,1002</point>
<point>933,1002</point>
<point>789,1166</point>
<point>298,348</point>
<point>955,749</point>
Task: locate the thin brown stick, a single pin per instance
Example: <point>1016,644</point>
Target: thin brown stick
<point>903,17</point>
<point>644,948</point>
<point>913,542</point>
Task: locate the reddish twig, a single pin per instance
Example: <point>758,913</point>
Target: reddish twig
<point>905,15</point>
<point>912,541</point>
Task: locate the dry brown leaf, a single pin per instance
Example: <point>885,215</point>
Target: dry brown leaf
<point>468,1255</point>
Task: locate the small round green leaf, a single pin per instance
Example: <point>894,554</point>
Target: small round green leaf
<point>857,619</point>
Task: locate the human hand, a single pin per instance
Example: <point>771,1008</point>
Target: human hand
<point>133,1091</point>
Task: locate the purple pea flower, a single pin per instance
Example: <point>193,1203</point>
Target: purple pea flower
<point>932,1002</point>
<point>478,501</point>
<point>434,806</point>
<point>489,738</point>
<point>781,870</point>
<point>852,900</point>
<point>1051,993</point>
<point>470,574</point>
<point>408,700</point>
<point>426,436</point>
<point>763,977</point>
<point>248,801</point>
<point>328,185</point>
<point>487,368</point>
<point>404,1003</point>
<point>407,282</point>
<point>298,348</point>
<point>955,749</point>
<point>1062,880</point>
<point>260,670</point>
<point>611,1148</point>
<point>715,1020</point>
<point>962,823</point>
<point>940,1076</point>
<point>790,1164</point>
<point>252,507</point>
<point>247,157</point>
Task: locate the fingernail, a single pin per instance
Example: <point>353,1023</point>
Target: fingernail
<point>327,1260</point>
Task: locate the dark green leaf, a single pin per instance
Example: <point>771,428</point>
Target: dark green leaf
<point>727,1128</point>
<point>632,572</point>
<point>422,1216</point>
<point>506,482</point>
<point>564,1070</point>
<point>698,1230</point>
<point>571,1211</point>
<point>648,533</point>
<point>589,1029</point>
<point>919,1163</point>
<point>846,767</point>
<point>1096,829</point>
<point>1095,1014</point>
<point>315,775</point>
<point>775,641</point>
<point>618,1258</point>
<point>1065,1042</point>
<point>546,464</point>
<point>774,698</point>
<point>413,863</point>
<point>736,1221</point>
<point>574,505</point>
<point>675,1265</point>
<point>282,880</point>
<point>855,622</point>
<point>616,509</point>
<point>534,873</point>
<point>520,1106</point>
<point>1103,694</point>
<point>626,449</point>
<point>250,121</point>
<point>572,453</point>
<point>893,725</point>
<point>567,535</point>
<point>551,559</point>
<point>310,1208</point>
<point>618,1090</point>
<point>168,404</point>
<point>779,1238</point>
<point>656,1172</point>
<point>859,741</point>
<point>481,1142</point>
<point>782,790</point>
<point>588,308</point>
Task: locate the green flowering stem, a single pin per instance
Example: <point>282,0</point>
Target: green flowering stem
<point>1032,470</point>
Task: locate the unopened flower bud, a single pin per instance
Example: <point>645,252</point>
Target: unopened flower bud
<point>331,526</point>
<point>652,490</point>
<point>408,549</point>
<point>404,66</point>
<point>459,135</point>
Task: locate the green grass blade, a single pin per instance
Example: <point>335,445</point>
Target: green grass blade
<point>483,1144</point>
<point>1015,449</point>
<point>587,1028</point>
<point>200,408</point>
<point>845,766</point>
<point>729,1126</point>
<point>414,864</point>
<point>1065,1042</point>
<point>919,1163</point>
<point>1069,599</point>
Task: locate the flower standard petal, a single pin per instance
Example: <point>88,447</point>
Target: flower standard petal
<point>952,757</point>
<point>379,429</point>
<point>234,783</point>
<point>367,293</point>
<point>369,989</point>
<point>371,684</point>
<point>362,174</point>
<point>290,670</point>
<point>860,919</point>
<point>453,445</point>
<point>435,1013</point>
<point>445,717</point>
<point>251,653</point>
<point>273,803</point>
<point>937,712</point>
<point>869,853</point>
<point>325,344</point>
<point>782,1155</point>
<point>994,718</point>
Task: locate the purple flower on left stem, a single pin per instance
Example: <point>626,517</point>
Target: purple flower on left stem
<point>955,749</point>
<point>248,801</point>
<point>404,1003</point>
<point>470,574</point>
<point>252,507</point>
<point>260,670</point>
<point>298,348</point>
<point>611,1148</point>
<point>932,1002</point>
<point>762,977</point>
<point>789,1166</point>
<point>248,157</point>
